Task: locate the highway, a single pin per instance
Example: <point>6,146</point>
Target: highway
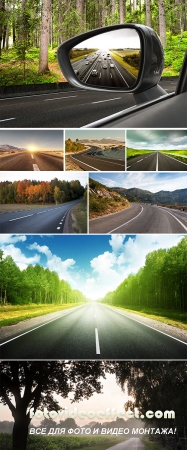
<point>25,160</point>
<point>90,160</point>
<point>141,218</point>
<point>107,71</point>
<point>92,331</point>
<point>65,109</point>
<point>155,162</point>
<point>36,220</point>
<point>131,444</point>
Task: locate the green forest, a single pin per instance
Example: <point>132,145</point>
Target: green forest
<point>40,192</point>
<point>35,284</point>
<point>161,284</point>
<point>31,31</point>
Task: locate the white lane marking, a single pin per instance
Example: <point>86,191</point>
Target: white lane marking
<point>32,156</point>
<point>58,98</point>
<point>127,222</point>
<point>140,160</point>
<point>39,326</point>
<point>176,159</point>
<point>157,163</point>
<point>152,328</point>
<point>97,342</point>
<point>85,164</point>
<point>4,120</point>
<point>35,167</point>
<point>38,95</point>
<point>18,218</point>
<point>109,100</point>
<point>176,219</point>
<point>58,228</point>
<point>41,212</point>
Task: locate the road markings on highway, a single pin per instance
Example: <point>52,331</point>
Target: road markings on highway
<point>35,167</point>
<point>97,342</point>
<point>11,118</point>
<point>109,100</point>
<point>127,222</point>
<point>18,218</point>
<point>72,157</point>
<point>58,98</point>
<point>39,326</point>
<point>157,162</point>
<point>176,219</point>
<point>176,159</point>
<point>149,326</point>
<point>41,212</point>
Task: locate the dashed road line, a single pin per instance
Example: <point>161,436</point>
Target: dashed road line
<point>97,342</point>
<point>18,218</point>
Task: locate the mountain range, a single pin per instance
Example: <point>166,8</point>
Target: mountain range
<point>177,197</point>
<point>6,147</point>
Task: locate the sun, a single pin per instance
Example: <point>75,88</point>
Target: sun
<point>31,148</point>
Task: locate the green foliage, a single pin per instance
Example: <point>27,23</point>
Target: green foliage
<point>73,147</point>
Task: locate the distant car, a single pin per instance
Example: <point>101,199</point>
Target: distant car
<point>99,59</point>
<point>76,71</point>
<point>111,65</point>
<point>87,62</point>
<point>105,66</point>
<point>109,57</point>
<point>94,73</point>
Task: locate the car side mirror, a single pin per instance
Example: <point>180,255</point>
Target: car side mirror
<point>122,58</point>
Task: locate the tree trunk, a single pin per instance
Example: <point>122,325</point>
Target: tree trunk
<point>162,22</point>
<point>148,13</point>
<point>44,37</point>
<point>121,11</point>
<point>20,433</point>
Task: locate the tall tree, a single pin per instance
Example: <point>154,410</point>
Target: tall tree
<point>44,37</point>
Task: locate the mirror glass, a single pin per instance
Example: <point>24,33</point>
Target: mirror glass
<point>110,59</point>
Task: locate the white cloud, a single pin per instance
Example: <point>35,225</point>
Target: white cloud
<point>10,239</point>
<point>20,259</point>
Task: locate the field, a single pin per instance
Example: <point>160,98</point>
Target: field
<point>10,314</point>
<point>174,318</point>
<point>130,152</point>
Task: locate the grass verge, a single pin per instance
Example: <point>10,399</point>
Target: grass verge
<point>10,314</point>
<point>132,152</point>
<point>174,318</point>
<point>79,218</point>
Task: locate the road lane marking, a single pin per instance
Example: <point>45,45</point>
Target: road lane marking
<point>37,95</point>
<point>152,328</point>
<point>97,342</point>
<point>157,163</point>
<point>58,98</point>
<point>41,212</point>
<point>109,100</point>
<point>85,164</point>
<point>4,120</point>
<point>18,218</point>
<point>32,156</point>
<point>35,167</point>
<point>126,222</point>
<point>39,326</point>
<point>176,219</point>
<point>174,159</point>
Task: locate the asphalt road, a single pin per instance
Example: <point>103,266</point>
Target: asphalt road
<point>67,109</point>
<point>115,76</point>
<point>155,162</point>
<point>92,331</point>
<point>36,220</point>
<point>141,218</point>
<point>25,160</point>
<point>88,160</point>
<point>131,444</point>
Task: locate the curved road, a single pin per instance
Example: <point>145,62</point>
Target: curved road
<point>92,331</point>
<point>87,160</point>
<point>131,444</point>
<point>36,220</point>
<point>155,161</point>
<point>25,160</point>
<point>140,218</point>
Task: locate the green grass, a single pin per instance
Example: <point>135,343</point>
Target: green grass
<point>118,56</point>
<point>175,318</point>
<point>63,442</point>
<point>151,443</point>
<point>10,314</point>
<point>180,155</point>
<point>79,218</point>
<point>133,152</point>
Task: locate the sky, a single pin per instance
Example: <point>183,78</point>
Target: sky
<point>111,397</point>
<point>33,139</point>
<point>93,264</point>
<point>157,139</point>
<point>45,176</point>
<point>122,38</point>
<point>119,135</point>
<point>153,181</point>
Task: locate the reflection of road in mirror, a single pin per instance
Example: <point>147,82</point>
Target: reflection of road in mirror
<point>116,64</point>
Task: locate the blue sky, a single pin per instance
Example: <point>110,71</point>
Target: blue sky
<point>157,139</point>
<point>93,264</point>
<point>151,181</point>
<point>37,139</point>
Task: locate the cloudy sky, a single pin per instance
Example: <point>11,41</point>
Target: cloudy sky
<point>153,182</point>
<point>118,135</point>
<point>33,139</point>
<point>93,264</point>
<point>157,139</point>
